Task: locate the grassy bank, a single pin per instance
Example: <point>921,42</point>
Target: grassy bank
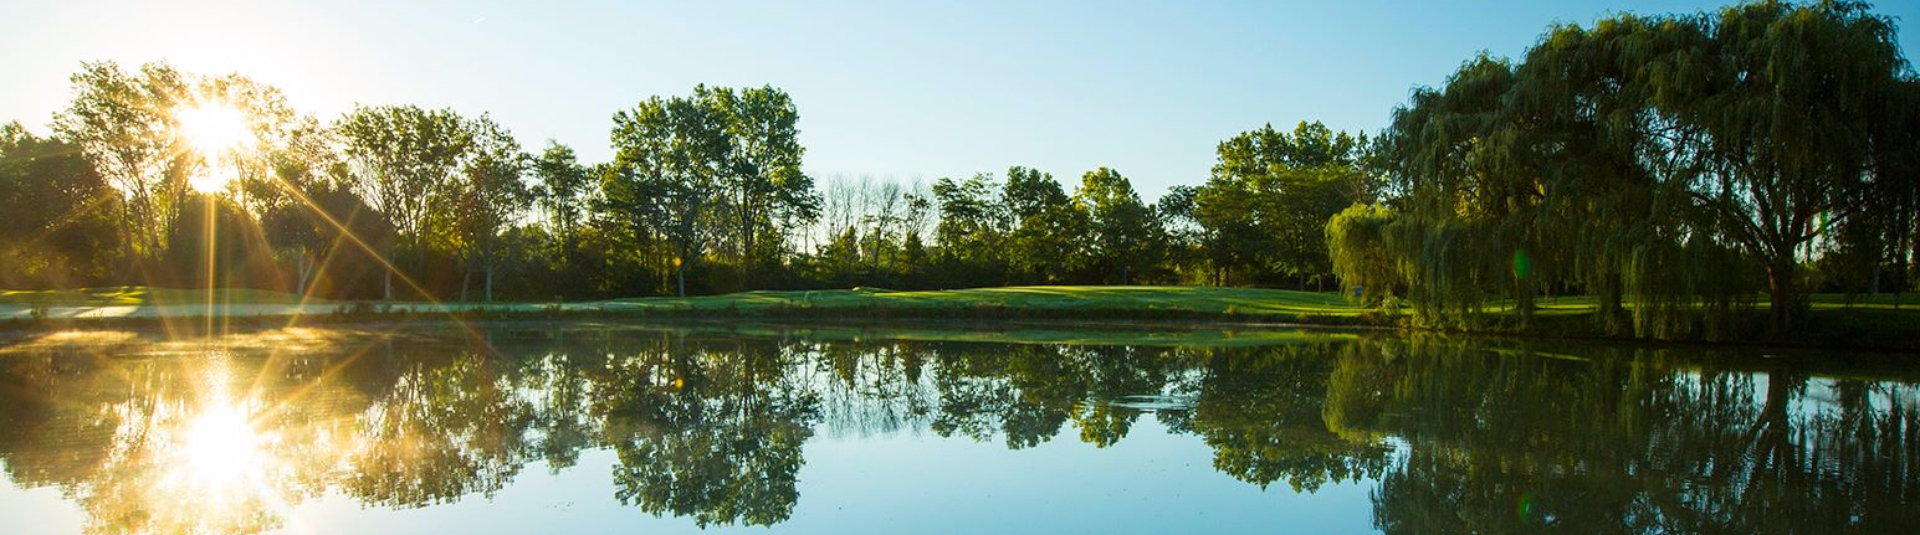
<point>1877,323</point>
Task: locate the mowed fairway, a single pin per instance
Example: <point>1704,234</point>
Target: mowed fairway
<point>1054,301</point>
<point>1884,321</point>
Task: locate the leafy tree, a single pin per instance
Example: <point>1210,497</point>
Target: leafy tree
<point>1789,100</point>
<point>1262,211</point>
<point>665,180</point>
<point>1460,226</point>
<point>1185,235</point>
<point>972,228</point>
<point>1046,240</point>
<point>125,125</point>
<point>1656,158</point>
<point>489,196</point>
<point>1362,257</point>
<point>563,189</point>
<point>403,159</point>
<point>60,230</point>
<point>766,191</point>
<point>1126,233</point>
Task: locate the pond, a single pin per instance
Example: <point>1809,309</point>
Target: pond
<point>591,428</point>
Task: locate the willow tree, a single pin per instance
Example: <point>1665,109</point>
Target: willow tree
<point>1790,99</point>
<point>1465,218</point>
<point>1654,158</point>
<point>1614,214</point>
<point>1361,257</point>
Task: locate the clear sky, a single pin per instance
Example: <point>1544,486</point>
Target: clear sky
<point>907,89</point>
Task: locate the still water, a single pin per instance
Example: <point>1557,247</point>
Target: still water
<point>589,428</point>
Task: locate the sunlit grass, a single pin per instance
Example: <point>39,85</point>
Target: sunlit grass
<point>1185,299</point>
<point>1250,302</point>
<point>144,296</point>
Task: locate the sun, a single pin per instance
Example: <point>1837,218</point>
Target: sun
<point>213,130</point>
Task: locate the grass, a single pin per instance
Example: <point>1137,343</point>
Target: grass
<point>1041,301</point>
<point>1879,322</point>
<point>144,296</point>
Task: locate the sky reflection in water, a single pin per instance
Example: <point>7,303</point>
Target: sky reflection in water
<point>593,429</point>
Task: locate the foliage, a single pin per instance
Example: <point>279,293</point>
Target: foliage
<point>1656,158</point>
<point>1270,195</point>
<point>1667,168</point>
<point>1360,254</point>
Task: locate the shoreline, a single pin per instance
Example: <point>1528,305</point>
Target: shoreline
<point>1903,339</point>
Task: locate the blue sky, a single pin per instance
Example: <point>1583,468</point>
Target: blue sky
<point>889,89</point>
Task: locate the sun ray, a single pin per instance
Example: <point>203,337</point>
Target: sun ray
<point>348,234</point>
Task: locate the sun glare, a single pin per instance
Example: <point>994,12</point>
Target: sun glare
<point>221,447</point>
<point>212,130</point>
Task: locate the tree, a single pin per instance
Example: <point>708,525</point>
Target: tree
<point>1270,194</point>
<point>1658,158</point>
<point>1790,103</point>
<point>1361,256</point>
<point>60,231</point>
<point>564,186</point>
<point>1046,240</point>
<point>124,123</point>
<point>489,196</point>
<point>403,159</point>
<point>971,229</point>
<point>766,189</point>
<point>1126,235</point>
<point>1460,220</point>
<point>665,179</point>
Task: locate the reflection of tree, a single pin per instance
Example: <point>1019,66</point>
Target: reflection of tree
<point>711,433</point>
<point>1630,443</point>
<point>444,432</point>
<point>1028,392</point>
<point>1493,439</point>
<point>1262,413</point>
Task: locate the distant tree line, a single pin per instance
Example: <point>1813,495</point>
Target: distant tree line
<point>705,193</point>
<point>1672,167</point>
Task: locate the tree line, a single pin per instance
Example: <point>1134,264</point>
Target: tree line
<point>705,193</point>
<point>1672,167</point>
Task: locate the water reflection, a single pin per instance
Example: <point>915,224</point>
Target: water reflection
<point>1452,435</point>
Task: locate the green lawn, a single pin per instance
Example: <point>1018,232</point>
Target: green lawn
<point>1250,302</point>
<point>1046,300</point>
<point>144,295</point>
<point>1835,322</point>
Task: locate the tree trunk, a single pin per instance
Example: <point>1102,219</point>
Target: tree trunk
<point>489,286</point>
<point>680,273</point>
<point>466,280</point>
<point>387,285</point>
<point>1780,289</point>
<point>303,271</point>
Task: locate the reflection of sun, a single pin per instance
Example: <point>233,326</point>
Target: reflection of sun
<point>212,129</point>
<point>221,471</point>
<point>220,448</point>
